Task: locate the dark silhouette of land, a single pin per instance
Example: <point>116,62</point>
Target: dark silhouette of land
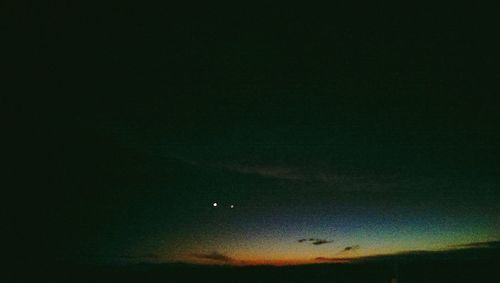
<point>476,264</point>
<point>440,271</point>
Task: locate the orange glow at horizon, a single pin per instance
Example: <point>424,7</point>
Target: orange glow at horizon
<point>273,262</point>
<point>277,262</point>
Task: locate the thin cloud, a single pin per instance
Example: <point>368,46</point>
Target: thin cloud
<point>490,244</point>
<point>315,241</point>
<point>350,248</point>
<point>321,242</point>
<point>215,256</point>
<point>331,259</point>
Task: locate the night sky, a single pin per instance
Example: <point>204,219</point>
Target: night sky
<point>334,134</point>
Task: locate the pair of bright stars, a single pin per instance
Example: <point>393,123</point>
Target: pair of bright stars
<point>216,204</point>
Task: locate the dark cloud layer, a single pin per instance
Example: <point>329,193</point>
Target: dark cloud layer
<point>486,245</point>
<point>480,250</point>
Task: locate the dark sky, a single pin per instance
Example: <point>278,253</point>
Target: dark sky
<point>372,128</point>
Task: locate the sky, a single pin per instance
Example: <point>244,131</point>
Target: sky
<point>333,137</point>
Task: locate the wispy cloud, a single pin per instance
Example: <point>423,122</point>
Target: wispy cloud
<point>325,178</point>
<point>313,175</point>
<point>214,256</point>
<point>272,171</point>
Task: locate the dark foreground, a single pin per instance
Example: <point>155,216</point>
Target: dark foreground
<point>432,271</point>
